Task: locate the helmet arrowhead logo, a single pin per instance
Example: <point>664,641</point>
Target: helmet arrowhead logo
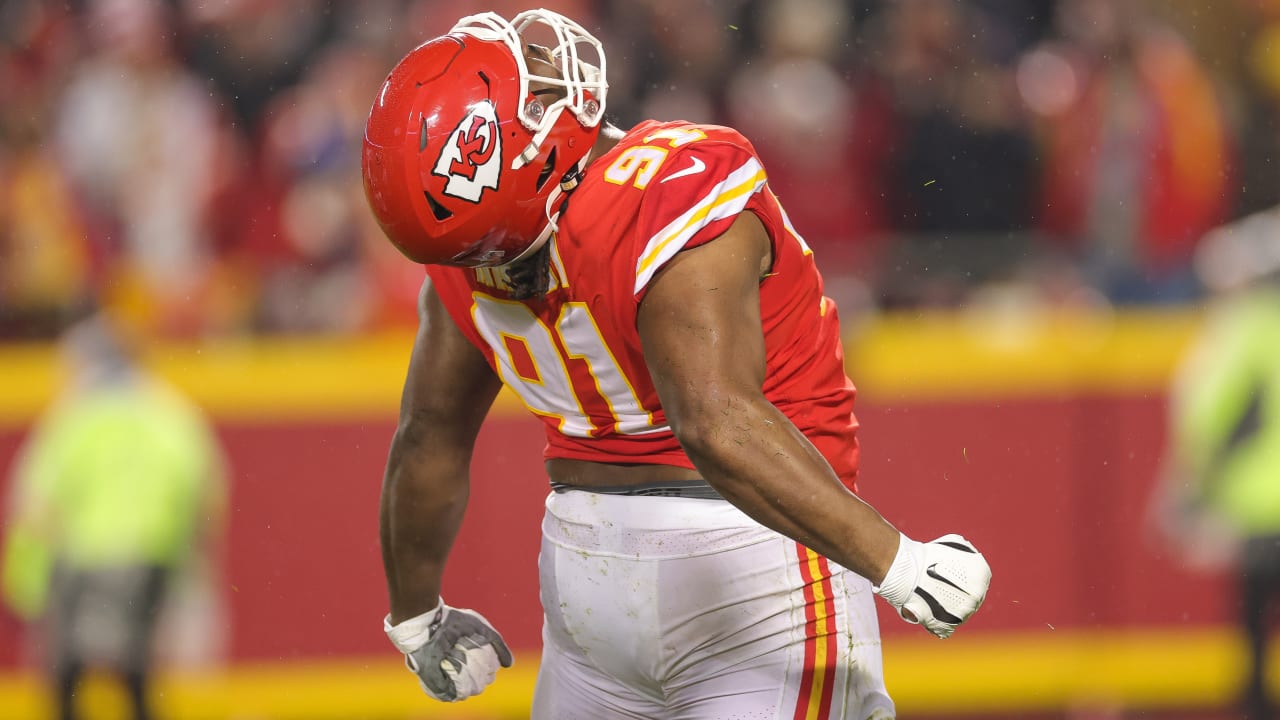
<point>471,159</point>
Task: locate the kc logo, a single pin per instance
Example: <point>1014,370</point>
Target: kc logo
<point>472,158</point>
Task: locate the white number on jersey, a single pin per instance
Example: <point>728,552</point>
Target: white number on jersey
<point>532,359</point>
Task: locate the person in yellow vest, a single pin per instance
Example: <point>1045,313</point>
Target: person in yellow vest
<point>115,488</point>
<point>1221,499</point>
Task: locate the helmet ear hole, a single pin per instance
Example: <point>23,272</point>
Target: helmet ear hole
<point>545,174</point>
<point>441,212</point>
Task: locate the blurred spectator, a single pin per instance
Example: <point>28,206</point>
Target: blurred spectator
<point>823,141</point>
<point>1220,500</point>
<point>691,48</point>
<point>964,162</point>
<point>140,136</point>
<point>961,176</point>
<point>296,231</point>
<point>44,262</point>
<point>1134,146</point>
<point>115,489</point>
<point>250,50</point>
<point>925,146</point>
<point>307,238</point>
<point>1260,101</point>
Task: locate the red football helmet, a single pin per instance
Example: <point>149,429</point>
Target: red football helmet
<point>462,163</point>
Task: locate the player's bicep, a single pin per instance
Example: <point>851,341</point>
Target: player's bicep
<point>450,386</point>
<point>700,327</point>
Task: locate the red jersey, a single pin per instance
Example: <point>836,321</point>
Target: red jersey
<point>574,356</point>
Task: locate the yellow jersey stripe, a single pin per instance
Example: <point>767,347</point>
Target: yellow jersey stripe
<point>726,199</point>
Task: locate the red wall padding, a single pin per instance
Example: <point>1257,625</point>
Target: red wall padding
<point>1053,490</point>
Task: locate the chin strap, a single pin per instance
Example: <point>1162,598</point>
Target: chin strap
<point>567,184</point>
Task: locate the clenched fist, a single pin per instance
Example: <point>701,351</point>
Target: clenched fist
<point>938,584</point>
<point>454,652</point>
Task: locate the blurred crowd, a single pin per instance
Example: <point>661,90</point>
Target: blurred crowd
<point>195,163</point>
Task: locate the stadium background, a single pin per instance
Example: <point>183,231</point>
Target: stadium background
<point>1006,199</point>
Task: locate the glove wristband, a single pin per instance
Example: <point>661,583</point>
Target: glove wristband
<point>901,579</point>
<point>414,632</point>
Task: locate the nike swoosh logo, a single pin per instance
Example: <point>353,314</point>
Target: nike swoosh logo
<point>697,167</point>
<point>933,574</point>
<point>936,608</point>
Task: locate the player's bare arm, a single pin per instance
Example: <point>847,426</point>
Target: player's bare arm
<point>701,332</point>
<point>448,392</point>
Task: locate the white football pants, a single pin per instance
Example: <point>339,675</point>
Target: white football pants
<point>659,608</point>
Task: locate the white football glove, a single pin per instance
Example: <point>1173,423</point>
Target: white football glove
<point>454,652</point>
<point>938,584</point>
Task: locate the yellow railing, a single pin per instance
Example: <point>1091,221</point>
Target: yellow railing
<point>935,356</point>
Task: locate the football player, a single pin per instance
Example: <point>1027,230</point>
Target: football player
<point>704,553</point>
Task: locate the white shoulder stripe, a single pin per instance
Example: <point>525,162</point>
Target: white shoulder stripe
<point>726,199</point>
